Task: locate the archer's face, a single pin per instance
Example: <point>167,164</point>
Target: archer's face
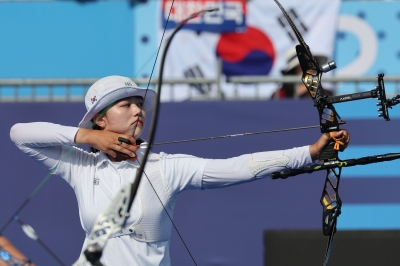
<point>126,117</point>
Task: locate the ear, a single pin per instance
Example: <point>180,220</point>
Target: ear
<point>99,120</point>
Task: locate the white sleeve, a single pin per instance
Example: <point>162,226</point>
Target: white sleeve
<point>248,167</point>
<point>46,143</point>
<point>181,172</point>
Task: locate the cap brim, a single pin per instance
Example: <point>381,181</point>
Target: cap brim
<point>148,95</point>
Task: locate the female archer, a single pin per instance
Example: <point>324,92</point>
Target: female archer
<point>116,108</point>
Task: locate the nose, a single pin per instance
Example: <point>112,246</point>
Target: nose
<point>136,110</point>
<point>134,107</point>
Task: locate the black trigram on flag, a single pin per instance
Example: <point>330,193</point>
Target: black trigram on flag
<point>296,20</point>
<point>196,72</point>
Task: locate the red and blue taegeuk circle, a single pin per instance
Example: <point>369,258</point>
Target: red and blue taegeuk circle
<point>246,53</point>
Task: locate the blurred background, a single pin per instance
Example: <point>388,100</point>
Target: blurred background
<point>229,72</point>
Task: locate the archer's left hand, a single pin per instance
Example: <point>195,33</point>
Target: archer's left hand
<point>342,136</point>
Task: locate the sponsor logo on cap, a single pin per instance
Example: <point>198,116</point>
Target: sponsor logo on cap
<point>128,84</point>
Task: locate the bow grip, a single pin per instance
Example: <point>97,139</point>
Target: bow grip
<point>329,153</point>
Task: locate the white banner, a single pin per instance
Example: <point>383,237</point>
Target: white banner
<point>259,50</point>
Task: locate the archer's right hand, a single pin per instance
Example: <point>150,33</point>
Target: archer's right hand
<point>107,142</point>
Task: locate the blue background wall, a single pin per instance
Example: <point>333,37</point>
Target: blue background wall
<point>69,39</point>
<point>224,226</point>
<point>221,227</point>
<point>384,19</point>
<point>65,39</point>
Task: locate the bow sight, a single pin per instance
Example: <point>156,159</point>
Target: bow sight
<point>330,119</point>
<point>378,93</point>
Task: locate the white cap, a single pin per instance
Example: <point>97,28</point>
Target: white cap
<point>107,91</point>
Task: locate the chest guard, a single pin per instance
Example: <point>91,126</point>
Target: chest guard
<point>153,224</point>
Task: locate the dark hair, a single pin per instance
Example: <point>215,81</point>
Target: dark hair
<point>94,127</point>
<point>97,127</point>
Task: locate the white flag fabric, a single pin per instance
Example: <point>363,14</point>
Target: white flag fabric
<point>259,48</point>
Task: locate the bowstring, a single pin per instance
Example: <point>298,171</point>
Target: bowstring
<point>169,216</point>
<point>235,135</point>
<point>42,183</point>
<point>137,123</point>
<point>308,51</point>
<point>40,241</point>
<point>209,138</point>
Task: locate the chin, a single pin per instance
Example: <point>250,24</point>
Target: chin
<point>129,132</point>
<point>137,135</point>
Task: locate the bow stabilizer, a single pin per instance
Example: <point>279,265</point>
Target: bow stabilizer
<point>342,163</point>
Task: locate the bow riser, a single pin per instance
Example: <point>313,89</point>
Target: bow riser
<point>329,122</point>
<point>312,80</point>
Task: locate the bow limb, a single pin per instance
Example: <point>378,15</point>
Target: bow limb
<point>115,217</point>
<point>329,122</point>
<point>153,125</point>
